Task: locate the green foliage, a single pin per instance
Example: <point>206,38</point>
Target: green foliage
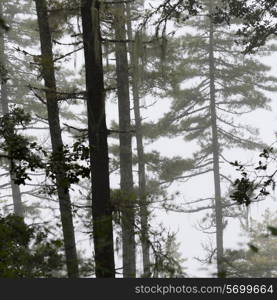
<point>121,201</point>
<point>17,63</point>
<point>244,189</point>
<point>258,20</point>
<point>260,260</point>
<point>273,230</point>
<point>253,248</point>
<point>241,84</point>
<point>28,156</point>
<point>74,160</point>
<point>249,188</point>
<point>26,251</point>
<point>16,147</point>
<point>3,24</point>
<point>168,169</point>
<point>167,259</point>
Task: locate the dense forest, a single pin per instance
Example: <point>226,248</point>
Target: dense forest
<point>137,138</point>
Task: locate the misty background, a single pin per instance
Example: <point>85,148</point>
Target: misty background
<point>174,70</point>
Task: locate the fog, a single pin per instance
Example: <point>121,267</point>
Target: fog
<point>187,113</point>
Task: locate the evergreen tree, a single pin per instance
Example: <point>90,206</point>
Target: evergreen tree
<point>135,83</point>
<point>255,28</point>
<point>168,259</point>
<point>11,89</point>
<point>17,201</point>
<point>26,251</point>
<point>48,73</point>
<point>259,260</point>
<point>226,83</point>
<point>125,140</point>
<point>97,133</point>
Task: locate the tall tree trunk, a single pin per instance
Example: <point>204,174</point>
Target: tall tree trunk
<point>125,140</point>
<point>16,195</point>
<point>48,73</point>
<point>101,205</point>
<point>215,145</point>
<point>143,211</point>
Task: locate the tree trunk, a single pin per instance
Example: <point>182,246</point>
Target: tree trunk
<point>143,211</point>
<point>125,139</point>
<point>101,205</point>
<point>215,145</point>
<point>16,195</point>
<point>48,73</point>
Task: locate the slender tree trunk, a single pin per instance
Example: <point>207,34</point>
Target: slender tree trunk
<point>101,205</point>
<point>125,139</point>
<point>16,195</point>
<point>215,144</point>
<point>48,73</point>
<point>143,212</point>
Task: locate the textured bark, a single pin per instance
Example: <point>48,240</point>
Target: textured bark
<point>125,140</point>
<point>16,195</point>
<point>48,73</point>
<point>143,211</point>
<point>101,205</point>
<point>215,144</point>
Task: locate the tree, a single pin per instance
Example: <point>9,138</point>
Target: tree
<point>4,77</point>
<point>259,260</point>
<point>258,22</point>
<point>143,82</point>
<point>142,194</point>
<point>26,251</point>
<point>97,133</point>
<point>125,139</point>
<point>255,182</point>
<point>222,86</point>
<point>257,19</point>
<point>215,150</point>
<point>167,258</point>
<point>62,182</point>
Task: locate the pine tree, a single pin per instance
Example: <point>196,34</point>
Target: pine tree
<point>259,260</point>
<point>135,83</point>
<point>125,139</point>
<point>226,83</point>
<point>48,73</point>
<point>19,71</point>
<point>4,77</point>
<point>97,132</point>
<point>168,259</point>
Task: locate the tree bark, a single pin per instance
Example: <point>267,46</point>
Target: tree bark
<point>215,145</point>
<point>143,210</point>
<point>48,73</point>
<point>16,194</point>
<point>97,129</point>
<point>125,140</point>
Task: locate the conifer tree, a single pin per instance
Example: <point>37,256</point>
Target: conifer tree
<point>4,78</point>
<point>258,258</point>
<point>98,133</point>
<point>62,182</point>
<point>226,83</point>
<point>125,140</point>
<point>135,80</point>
